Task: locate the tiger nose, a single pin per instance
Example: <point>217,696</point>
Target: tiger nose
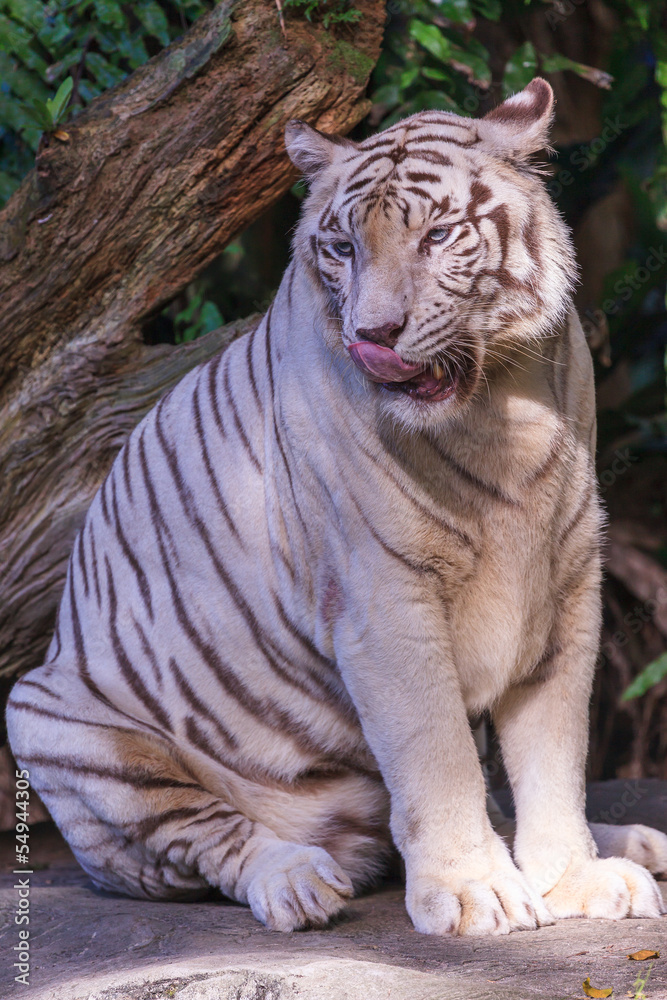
<point>386,334</point>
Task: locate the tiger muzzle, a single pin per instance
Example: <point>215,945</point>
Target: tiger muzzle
<point>383,365</point>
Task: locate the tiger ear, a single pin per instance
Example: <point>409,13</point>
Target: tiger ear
<point>520,125</point>
<point>311,150</point>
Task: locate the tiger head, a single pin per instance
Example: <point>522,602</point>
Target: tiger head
<point>437,248</point>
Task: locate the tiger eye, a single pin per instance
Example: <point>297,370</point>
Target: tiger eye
<point>343,248</point>
<point>438,235</point>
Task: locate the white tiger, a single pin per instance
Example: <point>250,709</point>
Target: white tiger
<point>326,549</point>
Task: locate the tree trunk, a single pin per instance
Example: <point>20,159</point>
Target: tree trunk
<point>157,176</point>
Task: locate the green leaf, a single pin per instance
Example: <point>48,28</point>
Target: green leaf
<point>132,48</point>
<point>88,91</point>
<point>22,82</point>
<point>185,315</point>
<point>642,11</point>
<point>434,74</point>
<point>153,19</point>
<point>480,71</point>
<point>432,39</point>
<point>110,12</point>
<point>390,95</point>
<point>433,99</point>
<point>557,62</point>
<point>106,74</point>
<point>54,31</point>
<point>28,12</point>
<point>492,9</point>
<point>520,69</point>
<point>456,11</point>
<point>40,114</point>
<point>408,77</point>
<point>57,69</point>
<point>57,106</point>
<point>648,678</point>
<point>210,318</point>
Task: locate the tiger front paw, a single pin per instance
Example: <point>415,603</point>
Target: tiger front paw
<point>612,888</point>
<point>497,903</point>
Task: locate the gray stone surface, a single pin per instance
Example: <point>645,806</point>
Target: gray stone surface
<point>89,946</point>
<point>631,800</point>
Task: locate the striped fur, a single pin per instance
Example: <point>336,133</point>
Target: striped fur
<point>296,585</point>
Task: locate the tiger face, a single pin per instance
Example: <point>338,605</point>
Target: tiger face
<point>437,247</point>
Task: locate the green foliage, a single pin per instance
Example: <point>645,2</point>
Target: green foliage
<point>93,44</point>
<point>433,59</point>
<point>640,983</point>
<point>200,316</point>
<point>329,12</point>
<point>48,114</point>
<point>648,678</point>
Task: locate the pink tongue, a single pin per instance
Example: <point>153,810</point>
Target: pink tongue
<point>381,364</point>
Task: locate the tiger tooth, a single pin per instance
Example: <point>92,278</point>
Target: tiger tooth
<point>438,370</point>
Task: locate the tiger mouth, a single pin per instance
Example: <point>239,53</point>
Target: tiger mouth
<point>430,382</point>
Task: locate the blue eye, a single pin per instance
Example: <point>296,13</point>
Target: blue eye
<point>343,249</point>
<point>439,235</point>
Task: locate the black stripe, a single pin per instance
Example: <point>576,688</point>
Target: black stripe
<point>218,814</point>
<point>420,192</point>
<point>228,835</point>
<point>144,828</point>
<point>249,347</point>
<point>148,652</point>
<point>199,739</point>
<point>48,714</point>
<point>142,579</point>
<point>134,777</point>
<point>82,561</point>
<point>93,552</point>
<point>208,464</point>
<point>300,636</point>
<point>131,676</point>
<point>276,428</point>
<point>370,144</point>
<point>189,506</point>
<point>290,283</point>
<point>469,477</point>
<point>82,665</point>
<point>125,458</point>
<point>437,519</point>
<point>240,429</point>
<point>582,509</point>
<point>199,706</point>
<point>103,498</point>
<point>213,396</point>
<point>157,518</point>
<point>431,156</point>
<point>28,682</point>
<point>368,161</point>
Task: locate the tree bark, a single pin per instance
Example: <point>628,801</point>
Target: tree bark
<point>156,178</point>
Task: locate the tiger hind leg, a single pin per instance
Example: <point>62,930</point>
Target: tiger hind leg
<point>195,842</point>
<point>140,823</point>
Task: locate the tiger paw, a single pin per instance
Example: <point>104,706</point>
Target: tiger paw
<point>293,887</point>
<point>641,844</point>
<point>606,887</point>
<point>496,904</point>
